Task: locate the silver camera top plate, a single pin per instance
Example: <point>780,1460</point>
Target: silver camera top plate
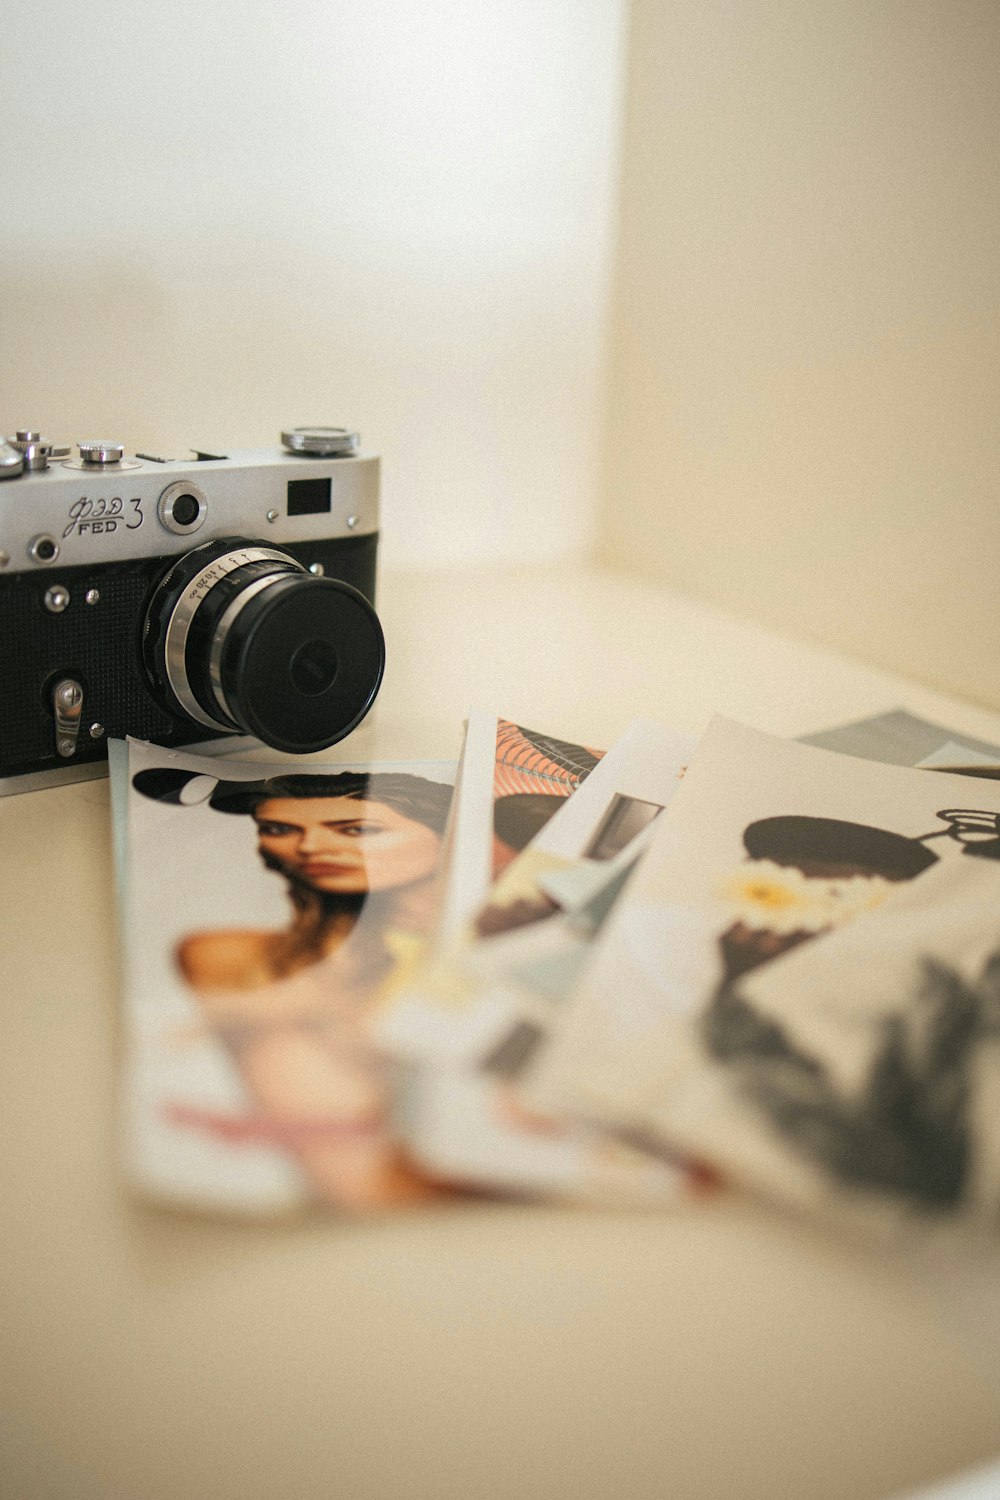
<point>73,514</point>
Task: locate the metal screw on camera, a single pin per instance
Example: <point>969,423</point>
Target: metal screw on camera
<point>56,599</point>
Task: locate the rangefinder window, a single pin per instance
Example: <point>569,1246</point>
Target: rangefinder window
<point>308,497</point>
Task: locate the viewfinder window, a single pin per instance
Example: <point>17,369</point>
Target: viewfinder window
<point>308,497</point>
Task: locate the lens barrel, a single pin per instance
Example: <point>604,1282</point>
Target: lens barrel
<point>242,639</point>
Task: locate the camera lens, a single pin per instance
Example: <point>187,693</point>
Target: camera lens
<point>314,667</point>
<point>241,638</point>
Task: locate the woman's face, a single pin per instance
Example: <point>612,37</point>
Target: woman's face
<point>342,845</point>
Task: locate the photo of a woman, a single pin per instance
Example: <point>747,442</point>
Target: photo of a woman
<point>359,854</point>
<point>348,844</point>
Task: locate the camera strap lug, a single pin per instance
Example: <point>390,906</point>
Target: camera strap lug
<point>67,705</point>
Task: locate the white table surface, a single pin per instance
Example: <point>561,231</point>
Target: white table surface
<point>475,1351</point>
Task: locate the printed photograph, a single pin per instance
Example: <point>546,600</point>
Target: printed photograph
<point>302,901</point>
<point>769,851</point>
<point>874,1056</point>
<point>478,1014</point>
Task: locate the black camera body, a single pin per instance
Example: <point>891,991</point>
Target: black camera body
<point>183,600</point>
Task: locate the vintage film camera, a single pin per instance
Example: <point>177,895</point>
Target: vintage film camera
<point>182,600</point>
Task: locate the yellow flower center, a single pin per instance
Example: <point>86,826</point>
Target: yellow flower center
<point>770,895</point>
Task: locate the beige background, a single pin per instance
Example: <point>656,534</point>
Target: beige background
<point>223,218</point>
<point>804,386</point>
<point>220,218</point>
<point>719,305</point>
<point>481,1352</point>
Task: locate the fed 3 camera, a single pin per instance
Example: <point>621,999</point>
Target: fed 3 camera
<point>183,600</point>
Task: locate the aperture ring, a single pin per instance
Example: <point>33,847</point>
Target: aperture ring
<point>183,614</point>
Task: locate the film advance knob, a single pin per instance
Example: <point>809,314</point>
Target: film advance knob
<point>99,451</point>
<point>35,449</point>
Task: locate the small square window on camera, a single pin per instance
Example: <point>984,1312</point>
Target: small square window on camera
<point>308,497</point>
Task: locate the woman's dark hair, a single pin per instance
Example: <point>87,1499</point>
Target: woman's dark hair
<point>803,841</point>
<point>520,815</point>
<point>415,797</point>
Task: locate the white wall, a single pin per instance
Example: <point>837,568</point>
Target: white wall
<point>804,387</point>
<point>221,217</point>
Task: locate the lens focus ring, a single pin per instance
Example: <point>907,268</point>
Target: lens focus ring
<point>197,590</point>
<point>240,637</point>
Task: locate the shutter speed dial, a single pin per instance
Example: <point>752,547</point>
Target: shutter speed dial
<point>99,451</point>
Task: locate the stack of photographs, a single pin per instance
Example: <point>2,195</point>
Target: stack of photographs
<point>553,971</point>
